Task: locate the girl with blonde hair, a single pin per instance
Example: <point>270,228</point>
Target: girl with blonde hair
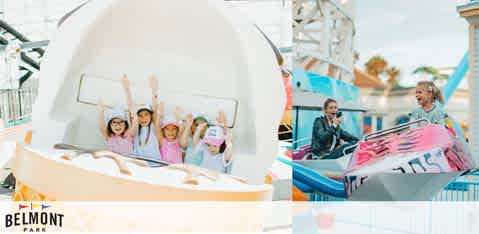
<point>427,96</point>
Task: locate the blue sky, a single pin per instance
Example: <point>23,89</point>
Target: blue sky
<point>410,33</point>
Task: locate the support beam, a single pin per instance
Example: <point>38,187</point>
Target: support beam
<point>25,77</point>
<point>26,45</point>
<point>470,12</point>
<point>323,34</point>
<point>18,35</point>
<point>26,59</point>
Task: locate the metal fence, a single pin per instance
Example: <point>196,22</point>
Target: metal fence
<point>464,188</point>
<point>318,196</point>
<point>16,105</point>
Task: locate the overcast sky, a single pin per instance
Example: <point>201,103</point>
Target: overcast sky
<point>410,33</point>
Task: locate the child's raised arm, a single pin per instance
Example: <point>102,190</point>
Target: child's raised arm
<point>154,92</point>
<point>199,130</point>
<point>222,122</point>
<point>221,119</point>
<point>179,116</point>
<point>186,132</point>
<point>101,118</point>
<point>160,108</point>
<point>133,129</point>
<point>229,147</point>
<point>129,98</point>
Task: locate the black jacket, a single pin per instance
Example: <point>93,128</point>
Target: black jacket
<point>323,136</point>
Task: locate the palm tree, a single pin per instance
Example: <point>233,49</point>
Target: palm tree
<point>393,74</point>
<point>392,81</point>
<point>434,72</point>
<point>376,65</point>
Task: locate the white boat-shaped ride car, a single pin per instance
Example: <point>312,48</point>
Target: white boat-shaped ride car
<point>206,59</point>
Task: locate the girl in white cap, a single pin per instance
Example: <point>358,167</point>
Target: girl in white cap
<point>145,141</point>
<point>168,136</point>
<point>114,127</point>
<point>215,147</point>
<point>191,126</point>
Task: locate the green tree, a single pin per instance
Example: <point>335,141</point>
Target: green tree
<point>393,76</point>
<point>432,71</point>
<point>376,65</point>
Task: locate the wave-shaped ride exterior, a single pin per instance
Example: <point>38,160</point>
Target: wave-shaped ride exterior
<point>408,162</point>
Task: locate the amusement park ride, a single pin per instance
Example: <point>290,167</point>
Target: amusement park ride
<point>209,57</point>
<point>409,162</point>
<point>83,63</point>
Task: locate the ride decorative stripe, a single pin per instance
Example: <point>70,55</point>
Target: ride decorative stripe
<point>415,140</point>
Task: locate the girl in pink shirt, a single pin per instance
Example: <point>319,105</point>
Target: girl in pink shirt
<point>168,136</point>
<point>115,128</point>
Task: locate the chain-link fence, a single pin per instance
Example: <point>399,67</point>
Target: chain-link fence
<point>16,105</point>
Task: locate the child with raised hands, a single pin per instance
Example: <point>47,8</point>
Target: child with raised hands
<point>169,134</point>
<point>186,139</point>
<point>114,127</point>
<point>145,142</point>
<point>216,146</point>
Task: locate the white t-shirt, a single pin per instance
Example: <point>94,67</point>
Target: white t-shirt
<point>148,148</point>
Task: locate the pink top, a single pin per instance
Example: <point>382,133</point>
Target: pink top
<point>171,151</point>
<point>120,144</point>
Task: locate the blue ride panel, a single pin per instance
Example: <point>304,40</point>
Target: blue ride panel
<point>307,180</point>
<point>455,79</point>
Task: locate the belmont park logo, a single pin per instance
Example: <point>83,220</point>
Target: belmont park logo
<point>33,217</point>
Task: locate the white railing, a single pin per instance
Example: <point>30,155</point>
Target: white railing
<point>16,105</point>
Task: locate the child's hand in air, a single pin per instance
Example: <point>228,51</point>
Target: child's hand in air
<point>189,120</point>
<point>179,113</point>
<point>124,81</point>
<point>221,119</point>
<point>153,83</point>
<point>133,116</point>
<point>101,105</point>
<point>202,126</point>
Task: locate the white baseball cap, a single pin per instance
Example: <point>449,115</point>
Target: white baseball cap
<point>214,136</point>
<point>146,107</point>
<point>115,113</point>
